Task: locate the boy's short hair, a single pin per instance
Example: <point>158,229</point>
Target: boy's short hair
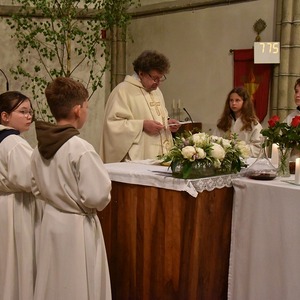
<point>297,83</point>
<point>62,94</point>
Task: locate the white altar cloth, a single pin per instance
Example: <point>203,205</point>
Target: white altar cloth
<point>265,242</point>
<point>145,173</point>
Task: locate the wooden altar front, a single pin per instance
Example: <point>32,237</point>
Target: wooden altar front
<point>166,244</point>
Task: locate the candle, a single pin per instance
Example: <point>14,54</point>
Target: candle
<point>179,104</point>
<point>173,105</point>
<point>274,155</point>
<point>297,171</point>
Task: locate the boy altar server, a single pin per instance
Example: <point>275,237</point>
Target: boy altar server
<point>70,176</point>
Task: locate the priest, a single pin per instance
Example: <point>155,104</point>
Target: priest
<point>136,125</point>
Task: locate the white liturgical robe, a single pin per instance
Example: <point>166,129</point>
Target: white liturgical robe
<point>17,220</point>
<point>71,263</point>
<point>123,137</point>
<point>290,117</point>
<point>296,152</point>
<point>252,137</point>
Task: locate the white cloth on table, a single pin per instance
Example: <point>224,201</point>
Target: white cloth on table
<point>143,173</point>
<point>265,243</point>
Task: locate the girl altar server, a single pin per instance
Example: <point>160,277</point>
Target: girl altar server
<point>17,204</point>
<point>239,118</point>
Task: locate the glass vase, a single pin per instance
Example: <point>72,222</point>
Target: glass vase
<point>262,168</point>
<point>284,155</point>
<point>198,169</point>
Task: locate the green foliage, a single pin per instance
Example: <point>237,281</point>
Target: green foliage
<point>205,154</point>
<point>282,134</point>
<point>57,38</point>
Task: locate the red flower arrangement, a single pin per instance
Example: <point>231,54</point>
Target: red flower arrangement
<point>286,136</point>
<point>295,121</point>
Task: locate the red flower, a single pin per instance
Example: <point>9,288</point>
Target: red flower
<point>272,122</point>
<point>296,121</point>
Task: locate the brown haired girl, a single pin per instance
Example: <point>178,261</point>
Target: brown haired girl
<point>239,117</point>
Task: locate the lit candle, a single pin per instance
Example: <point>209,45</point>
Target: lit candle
<point>297,171</point>
<point>274,155</point>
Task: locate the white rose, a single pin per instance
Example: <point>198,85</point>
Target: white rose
<point>244,148</point>
<point>216,138</point>
<point>188,152</point>
<point>217,151</point>
<point>226,143</point>
<point>200,153</point>
<point>199,138</point>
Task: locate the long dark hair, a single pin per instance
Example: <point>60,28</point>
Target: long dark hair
<point>248,115</point>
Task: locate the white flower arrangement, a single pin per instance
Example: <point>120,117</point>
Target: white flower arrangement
<point>206,152</point>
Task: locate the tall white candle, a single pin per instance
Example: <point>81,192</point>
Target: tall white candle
<point>297,171</point>
<point>274,155</point>
<point>179,104</point>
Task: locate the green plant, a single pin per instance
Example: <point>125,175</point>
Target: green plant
<point>59,38</point>
<point>282,134</point>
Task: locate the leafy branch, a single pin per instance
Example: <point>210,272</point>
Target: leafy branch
<point>62,38</point>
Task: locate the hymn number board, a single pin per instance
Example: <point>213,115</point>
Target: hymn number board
<point>267,53</point>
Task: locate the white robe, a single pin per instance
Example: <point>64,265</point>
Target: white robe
<point>129,104</point>
<point>72,262</point>
<point>18,220</point>
<point>252,138</point>
<point>290,117</point>
<point>295,152</point>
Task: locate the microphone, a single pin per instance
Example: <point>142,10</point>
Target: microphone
<point>7,85</point>
<point>188,115</point>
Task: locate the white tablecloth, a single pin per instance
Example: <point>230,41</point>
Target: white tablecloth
<point>265,244</point>
<point>145,173</point>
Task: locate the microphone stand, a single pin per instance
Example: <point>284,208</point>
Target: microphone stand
<point>188,115</point>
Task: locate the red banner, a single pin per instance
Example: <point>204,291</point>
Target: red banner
<point>255,78</point>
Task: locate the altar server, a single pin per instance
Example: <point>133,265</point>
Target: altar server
<point>18,218</point>
<point>136,121</point>
<point>239,117</point>
<point>296,112</point>
<point>70,176</point>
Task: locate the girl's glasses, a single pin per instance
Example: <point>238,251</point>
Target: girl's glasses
<point>25,113</point>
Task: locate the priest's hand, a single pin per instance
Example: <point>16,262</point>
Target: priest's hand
<point>174,125</point>
<point>152,127</point>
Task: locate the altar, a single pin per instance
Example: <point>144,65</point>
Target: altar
<point>167,238</point>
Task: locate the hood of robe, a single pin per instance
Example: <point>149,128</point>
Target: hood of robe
<point>51,137</point>
<point>6,131</point>
<point>134,79</point>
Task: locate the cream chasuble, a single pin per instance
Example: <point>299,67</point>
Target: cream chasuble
<point>123,137</point>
